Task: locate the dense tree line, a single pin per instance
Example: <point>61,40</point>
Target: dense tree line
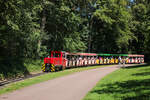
<point>30,28</point>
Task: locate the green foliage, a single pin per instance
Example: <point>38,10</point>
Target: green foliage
<point>114,26</point>
<point>19,68</point>
<point>20,31</point>
<point>139,26</point>
<point>111,22</point>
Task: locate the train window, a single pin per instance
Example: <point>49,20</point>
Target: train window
<point>56,55</point>
<point>64,56</point>
<point>69,57</point>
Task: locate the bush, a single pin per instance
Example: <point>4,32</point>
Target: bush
<point>15,68</point>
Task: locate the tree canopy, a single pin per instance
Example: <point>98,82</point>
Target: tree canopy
<point>30,28</point>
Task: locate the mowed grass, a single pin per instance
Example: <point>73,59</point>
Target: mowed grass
<point>45,77</point>
<point>131,83</point>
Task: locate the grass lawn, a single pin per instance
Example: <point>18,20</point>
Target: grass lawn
<point>45,77</point>
<point>131,83</point>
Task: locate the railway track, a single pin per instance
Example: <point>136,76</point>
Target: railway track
<point>6,82</point>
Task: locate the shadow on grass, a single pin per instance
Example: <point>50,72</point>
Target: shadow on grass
<point>142,74</point>
<point>145,73</point>
<point>136,86</point>
<point>145,96</point>
<point>140,65</point>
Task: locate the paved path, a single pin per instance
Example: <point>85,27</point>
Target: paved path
<point>71,87</point>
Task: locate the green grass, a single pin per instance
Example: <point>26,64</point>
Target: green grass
<point>45,77</point>
<point>131,83</point>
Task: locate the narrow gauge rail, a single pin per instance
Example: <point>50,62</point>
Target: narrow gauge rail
<point>60,60</point>
<point>5,82</point>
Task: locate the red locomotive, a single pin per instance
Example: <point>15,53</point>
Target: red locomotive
<point>56,61</point>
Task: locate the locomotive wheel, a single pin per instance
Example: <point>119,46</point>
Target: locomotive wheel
<point>58,68</point>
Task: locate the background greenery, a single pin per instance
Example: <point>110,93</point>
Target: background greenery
<point>19,68</point>
<point>29,29</point>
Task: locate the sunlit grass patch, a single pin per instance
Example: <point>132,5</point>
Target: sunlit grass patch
<point>125,84</point>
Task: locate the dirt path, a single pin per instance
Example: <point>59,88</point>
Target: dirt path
<point>71,87</point>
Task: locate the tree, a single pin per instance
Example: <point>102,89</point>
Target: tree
<point>111,25</point>
<point>21,30</point>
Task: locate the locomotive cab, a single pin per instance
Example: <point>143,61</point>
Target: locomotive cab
<point>56,61</point>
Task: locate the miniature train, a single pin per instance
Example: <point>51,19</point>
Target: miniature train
<point>59,60</point>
